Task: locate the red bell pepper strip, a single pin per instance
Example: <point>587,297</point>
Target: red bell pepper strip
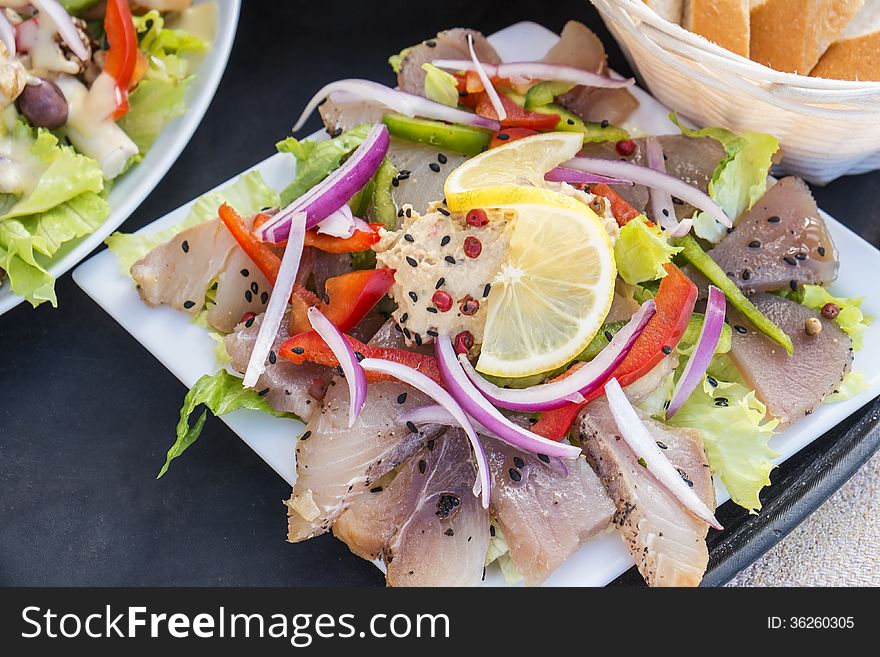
<point>675,304</point>
<point>517,117</point>
<point>122,57</point>
<point>310,347</point>
<point>353,295</point>
<point>507,135</point>
<point>361,240</point>
<point>623,212</point>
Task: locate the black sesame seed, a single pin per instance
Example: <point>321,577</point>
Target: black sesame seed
<point>263,392</point>
<point>665,212</point>
<point>409,238</point>
<point>326,298</point>
<point>445,240</point>
<point>662,445</point>
<point>400,212</point>
<point>441,158</point>
<point>401,398</point>
<point>299,351</point>
<point>188,304</point>
<point>423,465</point>
<point>432,332</point>
<point>450,260</point>
<point>185,246</point>
<point>821,251</point>
<point>339,371</point>
<point>789,260</point>
<point>403,175</point>
<point>359,356</point>
<point>800,256</point>
<point>413,296</point>
<point>272,357</point>
<point>440,282</point>
<point>518,462</point>
<point>411,261</point>
<point>407,333</point>
<point>486,290</point>
<point>605,123</point>
<point>754,244</point>
<point>264,297</point>
<point>746,274</point>
<point>434,167</point>
<point>431,43</point>
<point>443,211</point>
<point>408,212</point>
<point>667,349</point>
<point>306,435</point>
<point>418,339</point>
<point>395,182</point>
<point>431,309</point>
<point>570,121</point>
<point>245,273</point>
<point>255,288</point>
<point>449,532</point>
<point>336,133</point>
<point>491,530</point>
<point>608,336</point>
<point>377,489</point>
<point>248,296</point>
<point>430,445</point>
<point>404,317</point>
<point>774,219</point>
<point>514,474</point>
<point>721,402</point>
<point>412,427</point>
<point>503,136</point>
<point>544,458</point>
<point>740,329</point>
<point>712,381</point>
<point>250,322</point>
<point>793,285</point>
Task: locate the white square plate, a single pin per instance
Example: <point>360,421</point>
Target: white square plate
<point>187,351</point>
<point>131,189</point>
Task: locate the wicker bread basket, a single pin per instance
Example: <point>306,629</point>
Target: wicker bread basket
<point>827,128</point>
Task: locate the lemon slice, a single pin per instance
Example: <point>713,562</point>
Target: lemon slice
<point>522,162</point>
<point>555,289</point>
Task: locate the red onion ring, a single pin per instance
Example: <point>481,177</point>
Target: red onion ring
<point>650,178</point>
<point>335,190</point>
<point>573,388</point>
<point>522,72</point>
<point>64,24</point>
<point>562,174</point>
<point>478,407</point>
<point>399,101</point>
<point>491,92</point>
<point>348,361</point>
<point>636,435</point>
<point>277,302</point>
<point>696,367</point>
<point>421,382</point>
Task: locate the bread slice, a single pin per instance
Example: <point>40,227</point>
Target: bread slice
<point>791,35</point>
<point>856,54</point>
<point>725,22</point>
<point>671,10</point>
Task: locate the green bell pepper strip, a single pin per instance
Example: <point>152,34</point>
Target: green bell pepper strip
<point>593,132</point>
<point>457,138</point>
<point>384,208</point>
<point>544,93</point>
<point>696,256</point>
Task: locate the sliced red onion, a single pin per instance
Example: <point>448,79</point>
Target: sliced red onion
<point>399,101</point>
<point>277,302</point>
<point>704,350</point>
<point>421,382</point>
<point>683,228</point>
<point>643,445</point>
<point>479,408</point>
<point>645,176</point>
<point>662,209</point>
<point>576,386</point>
<point>348,361</point>
<point>7,34</point>
<point>561,174</point>
<point>339,223</point>
<point>64,25</point>
<point>491,92</point>
<point>524,72</point>
<point>335,190</point>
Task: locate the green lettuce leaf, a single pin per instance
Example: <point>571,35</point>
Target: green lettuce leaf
<point>248,195</point>
<point>735,436</point>
<point>395,61</point>
<point>440,86</point>
<point>739,180</point>
<point>499,552</point>
<point>642,251</point>
<point>851,320</point>
<point>853,383</point>
<point>316,159</point>
<point>221,393</point>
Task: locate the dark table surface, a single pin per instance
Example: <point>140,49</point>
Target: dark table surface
<point>86,413</point>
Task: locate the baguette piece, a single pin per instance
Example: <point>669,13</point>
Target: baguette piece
<point>671,10</point>
<point>791,35</point>
<point>856,55</point>
<point>725,22</point>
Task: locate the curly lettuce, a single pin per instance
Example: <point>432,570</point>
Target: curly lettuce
<point>739,180</point>
<point>641,252</point>
<point>440,86</point>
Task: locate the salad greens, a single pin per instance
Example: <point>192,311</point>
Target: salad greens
<point>440,86</point>
<point>641,251</point>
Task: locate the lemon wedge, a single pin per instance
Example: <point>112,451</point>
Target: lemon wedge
<point>519,163</point>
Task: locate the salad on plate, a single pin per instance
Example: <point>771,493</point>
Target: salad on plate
<point>85,88</point>
<point>509,321</point>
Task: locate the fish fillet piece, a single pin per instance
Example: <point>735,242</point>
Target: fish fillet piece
<point>545,511</point>
<point>241,288</point>
<point>449,44</point>
<point>790,386</point>
<point>426,524</point>
<point>666,541</point>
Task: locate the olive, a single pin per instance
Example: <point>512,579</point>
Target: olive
<point>43,104</point>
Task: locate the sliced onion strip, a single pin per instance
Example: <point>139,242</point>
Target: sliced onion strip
<point>494,98</point>
<point>7,34</point>
<point>64,24</point>
<point>636,435</point>
<point>573,388</point>
<point>710,334</point>
<point>348,361</point>
<point>400,101</point>
<point>524,72</point>
<point>425,384</point>
<point>277,302</point>
<point>645,176</point>
<point>561,174</point>
<point>479,408</point>
<point>335,190</point>
<point>339,223</point>
<point>662,209</point>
